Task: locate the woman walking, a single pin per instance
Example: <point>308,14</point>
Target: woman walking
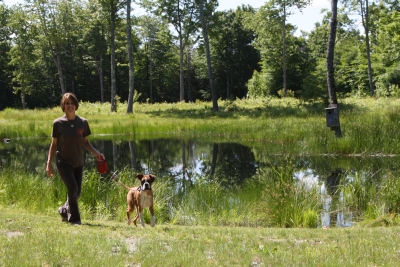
<point>69,137</point>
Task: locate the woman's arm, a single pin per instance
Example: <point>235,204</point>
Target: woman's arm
<point>89,147</point>
<point>52,151</point>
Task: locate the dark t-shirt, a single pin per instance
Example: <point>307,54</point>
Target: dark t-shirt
<point>70,136</point>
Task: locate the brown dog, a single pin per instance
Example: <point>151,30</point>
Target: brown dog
<point>141,197</point>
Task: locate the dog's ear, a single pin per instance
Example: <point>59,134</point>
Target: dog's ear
<point>140,176</point>
<point>152,177</point>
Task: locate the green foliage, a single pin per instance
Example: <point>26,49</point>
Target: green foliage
<point>289,93</point>
<point>388,193</point>
<point>41,41</point>
<point>314,85</point>
<point>287,202</point>
<point>357,193</point>
<point>258,85</point>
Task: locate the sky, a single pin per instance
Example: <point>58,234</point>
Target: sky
<point>304,20</point>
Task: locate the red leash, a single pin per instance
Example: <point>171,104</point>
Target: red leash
<point>102,167</point>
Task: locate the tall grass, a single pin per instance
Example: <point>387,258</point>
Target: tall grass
<point>208,203</point>
<point>286,202</point>
<point>273,199</point>
<point>30,191</point>
<point>101,199</point>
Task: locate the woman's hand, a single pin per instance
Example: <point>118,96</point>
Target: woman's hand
<point>100,156</point>
<point>49,169</point>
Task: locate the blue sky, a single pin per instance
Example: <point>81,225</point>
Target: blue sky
<point>304,21</point>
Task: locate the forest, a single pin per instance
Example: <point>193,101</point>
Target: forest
<point>185,50</point>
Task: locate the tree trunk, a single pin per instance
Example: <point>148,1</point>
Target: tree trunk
<point>57,61</point>
<point>72,71</point>
<point>100,70</point>
<point>181,80</point>
<point>151,81</point>
<point>209,67</point>
<point>228,95</point>
<point>284,51</point>
<point>330,70</point>
<point>365,22</point>
<point>130,56</point>
<point>23,97</point>
<point>188,76</point>
<point>113,78</point>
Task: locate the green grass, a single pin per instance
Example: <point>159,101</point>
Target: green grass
<point>369,126</point>
<point>39,240</point>
<point>271,199</point>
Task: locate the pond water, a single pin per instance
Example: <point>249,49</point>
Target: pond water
<point>232,163</point>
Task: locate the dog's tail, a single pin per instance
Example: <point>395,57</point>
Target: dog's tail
<point>102,167</point>
<point>115,178</point>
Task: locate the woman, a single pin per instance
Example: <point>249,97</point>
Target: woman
<point>70,135</point>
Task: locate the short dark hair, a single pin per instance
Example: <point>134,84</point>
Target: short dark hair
<point>70,96</point>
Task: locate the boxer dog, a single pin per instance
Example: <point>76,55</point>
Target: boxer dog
<point>141,197</point>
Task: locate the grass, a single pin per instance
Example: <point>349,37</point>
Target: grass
<point>271,199</point>
<point>369,125</point>
<point>39,240</point>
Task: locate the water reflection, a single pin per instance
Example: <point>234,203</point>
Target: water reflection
<point>229,163</point>
<point>185,160</point>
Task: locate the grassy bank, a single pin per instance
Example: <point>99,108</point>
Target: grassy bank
<point>38,240</point>
<point>370,126</point>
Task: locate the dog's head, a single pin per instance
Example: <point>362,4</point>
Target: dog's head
<point>146,180</point>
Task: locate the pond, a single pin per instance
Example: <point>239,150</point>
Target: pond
<point>232,163</point>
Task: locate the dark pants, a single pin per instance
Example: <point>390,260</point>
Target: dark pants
<point>72,178</point>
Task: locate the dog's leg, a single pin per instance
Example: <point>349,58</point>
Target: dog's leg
<point>128,212</point>
<point>153,218</point>
<point>140,213</point>
<point>141,219</point>
<point>136,216</point>
<point>131,206</point>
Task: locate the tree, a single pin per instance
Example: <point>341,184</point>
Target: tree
<point>363,8</point>
<point>130,56</point>
<point>55,19</point>
<point>209,67</point>
<point>283,7</point>
<point>156,75</point>
<point>181,14</point>
<point>386,53</point>
<point>349,69</point>
<point>22,56</point>
<point>149,27</point>
<point>6,95</point>
<point>95,42</point>
<point>234,57</point>
<point>269,42</point>
<point>330,69</point>
<point>111,7</point>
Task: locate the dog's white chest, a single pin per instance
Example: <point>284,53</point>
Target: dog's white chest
<point>145,199</point>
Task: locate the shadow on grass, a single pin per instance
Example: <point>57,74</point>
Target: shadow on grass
<point>231,111</point>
